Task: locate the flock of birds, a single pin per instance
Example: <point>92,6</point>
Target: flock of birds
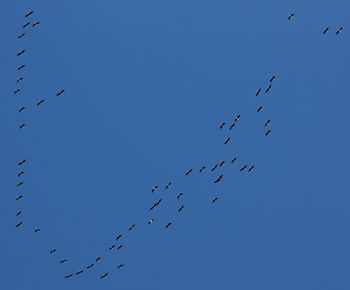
<point>214,169</point>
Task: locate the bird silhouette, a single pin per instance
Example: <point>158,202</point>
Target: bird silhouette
<point>63,261</point>
<point>25,25</point>
<point>104,275</point>
<point>168,225</point>
<point>215,166</point>
<point>132,227</point>
<point>237,118</point>
<point>90,266</point>
<point>222,125</point>
<point>19,224</point>
<point>60,92</point>
<point>36,23</point>
<point>29,13</point>
<point>119,247</point>
<point>20,173</point>
<point>119,237</point>
<point>272,78</point>
<point>219,178</point>
<point>258,92</point>
<point>40,102</point>
<point>79,272</point>
<point>21,52</point>
<point>98,258</point>
<point>150,221</point>
<point>181,208</point>
<point>19,79</point>
<point>111,247</point>
<point>19,184</point>
<point>179,195</point>
<point>325,30</point>
<point>259,109</point>
<point>22,162</point>
<point>120,266</point>
<point>17,91</point>
<point>267,122</point>
<point>21,109</point>
<point>53,251</point>
<point>154,188</point>
<point>339,30</point>
<point>21,35</point>
<point>267,133</point>
<point>21,67</point>
<point>22,126</point>
<point>68,276</point>
<point>168,185</point>
<point>251,168</point>
<point>234,159</point>
<point>268,89</point>
<point>243,167</point>
<point>215,199</point>
<point>202,169</point>
<point>222,163</point>
<point>227,141</point>
<point>19,213</point>
<point>291,16</point>
<point>36,230</point>
<point>189,172</point>
<point>230,128</point>
<point>18,197</point>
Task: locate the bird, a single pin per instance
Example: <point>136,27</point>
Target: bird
<point>119,237</point>
<point>18,197</point>
<point>60,92</point>
<point>21,35</point>
<point>36,230</point>
<point>19,79</point>
<point>339,30</point>
<point>40,102</point>
<point>230,128</point>
<point>90,266</point>
<point>222,125</point>
<point>259,109</point>
<point>189,172</point>
<point>219,178</point>
<point>21,52</point>
<point>150,221</point>
<point>36,23</point>
<point>267,122</point>
<point>111,247</point>
<point>201,169</point>
<point>132,227</point>
<point>268,89</point>
<point>19,224</point>
<point>267,133</point>
<point>243,167</point>
<point>21,109</point>
<point>181,208</point>
<point>159,201</point>
<point>21,67</point>
<point>98,258</point>
<point>227,141</point>
<point>234,159</point>
<point>17,91</point>
<point>237,118</point>
<point>53,251</point>
<point>168,185</point>
<point>251,168</point>
<point>155,204</point>
<point>325,30</point>
<point>22,126</point>
<point>215,199</point>
<point>29,13</point>
<point>179,195</point>
<point>119,247</point>
<point>104,275</point>
<point>20,173</point>
<point>222,163</point>
<point>79,272</point>
<point>168,225</point>
<point>291,16</point>
<point>63,261</point>
<point>68,276</point>
<point>120,266</point>
<point>272,78</point>
<point>25,25</point>
<point>19,213</point>
<point>215,166</point>
<point>154,188</point>
<point>19,184</point>
<point>22,162</point>
<point>258,92</point>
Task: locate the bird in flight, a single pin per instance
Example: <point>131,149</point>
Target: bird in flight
<point>132,227</point>
<point>272,78</point>
<point>291,16</point>
<point>251,168</point>
<point>267,122</point>
<point>111,247</point>
<point>222,125</point>
<point>181,208</point>
<point>36,230</point>
<point>267,133</point>
<point>90,266</point>
<point>119,247</point>
<point>230,128</point>
<point>21,67</point>
<point>53,251</point>
<point>29,13</point>
<point>19,224</point>
<point>222,163</point>
<point>325,30</point>
<point>18,197</point>
<point>215,166</point>
<point>227,141</point>
<point>243,167</point>
<point>150,221</point>
<point>179,195</point>
<point>258,92</point>
<point>98,258</point>
<point>25,25</point>
<point>19,79</point>
<point>234,159</point>
<point>168,225</point>
<point>22,126</point>
<point>259,109</point>
<point>21,109</point>
<point>219,178</point>
<point>339,30</point>
<point>21,35</point>
<point>63,261</point>
<point>68,276</point>
<point>215,199</point>
<point>21,52</point>
<point>79,272</point>
<point>19,213</point>
<point>189,172</point>
<point>60,92</point>
<point>36,23</point>
<point>120,266</point>
<point>19,184</point>
<point>168,185</point>
<point>268,89</point>
<point>17,91</point>
<point>201,169</point>
<point>119,237</point>
<point>154,188</point>
<point>104,275</point>
<point>237,118</point>
<point>22,162</point>
<point>40,102</point>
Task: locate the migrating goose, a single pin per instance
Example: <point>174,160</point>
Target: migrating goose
<point>268,89</point>
<point>19,79</point>
<point>219,178</point>
<point>19,213</point>
<point>237,118</point>
<point>119,237</point>
<point>21,67</point>
<point>215,199</point>
<point>325,30</point>
<point>79,272</point>
<point>243,167</point>
<point>36,23</point>
<point>53,251</point>
<point>21,52</point>
<point>29,13</point>
<point>201,169</point>
<point>267,132</point>
<point>21,35</point>
<point>267,122</point>
<point>17,91</point>
<point>22,162</point>
<point>63,261</point>
<point>154,188</point>
<point>119,247</point>
<point>258,92</point>
<point>18,197</point>
<point>22,126</point>
<point>20,173</point>
<point>291,16</point>
<point>222,163</point>
<point>259,109</point>
<point>168,185</point>
<point>215,166</point>
<point>234,159</point>
<point>25,25</point>
<point>251,168</point>
<point>168,225</point>
<point>189,172</point>
<point>272,78</point>
<point>179,195</point>
<point>21,109</point>
<point>40,102</point>
<point>19,184</point>
<point>150,221</point>
<point>230,128</point>
<point>120,266</point>
<point>104,275</point>
<point>98,258</point>
<point>222,125</point>
<point>36,230</point>
<point>60,92</point>
<point>181,208</point>
<point>227,141</point>
<point>339,30</point>
<point>68,276</point>
<point>111,247</point>
<point>19,224</point>
<point>90,266</point>
<point>132,227</point>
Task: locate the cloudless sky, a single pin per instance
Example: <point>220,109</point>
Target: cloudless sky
<point>147,85</point>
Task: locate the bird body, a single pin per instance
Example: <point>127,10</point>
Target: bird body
<point>119,237</point>
<point>90,266</point>
<point>230,128</point>
<point>21,109</point>
<point>219,178</point>
<point>339,30</point>
<point>36,230</point>
<point>272,78</point>
<point>132,227</point>
<point>79,272</point>
<point>222,125</point>
<point>19,184</point>
<point>22,162</point>
<point>21,52</point>
<point>150,221</point>
<point>19,224</point>
<point>120,266</point>
<point>189,172</point>
<point>179,195</point>
<point>29,13</point>
<point>22,126</point>
<point>267,133</point>
<point>258,92</point>
<point>111,247</point>
<point>154,188</point>
<point>68,276</point>
<point>325,30</point>
<point>168,225</point>
<point>104,275</point>
<point>21,67</point>
<point>259,109</point>
<point>201,169</point>
<point>40,102</point>
<point>25,25</point>
<point>35,23</point>
<point>234,159</point>
<point>63,261</point>
<point>19,213</point>
<point>251,168</point>
<point>19,79</point>
<point>21,35</point>
<point>98,258</point>
<point>215,199</point>
<point>291,16</point>
<point>119,247</point>
<point>243,167</point>
<point>268,89</point>
<point>17,91</point>
<point>227,141</point>
<point>60,92</point>
<point>267,122</point>
<point>181,208</point>
<point>222,163</point>
<point>168,185</point>
<point>237,118</point>
<point>53,251</point>
<point>18,197</point>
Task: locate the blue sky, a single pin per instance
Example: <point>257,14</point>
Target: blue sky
<point>147,85</point>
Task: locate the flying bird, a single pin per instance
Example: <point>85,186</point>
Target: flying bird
<point>19,79</point>
<point>339,30</point>
<point>63,261</point>
<point>267,133</point>
<point>272,78</point>
<point>90,266</point>
<point>98,258</point>
<point>18,197</point>
<point>20,173</point>
<point>79,272</point>
<point>291,16</point>
<point>132,227</point>
<point>230,128</point>
<point>21,52</point>
<point>21,35</point>
<point>222,125</point>
<point>215,199</point>
<point>40,102</point>
<point>19,224</point>
<point>227,141</point>
<point>179,195</point>
<point>215,166</point>
<point>68,276</point>
<point>243,167</point>
<point>237,118</point>
<point>154,188</point>
<point>219,178</point>
<point>21,109</point>
<point>267,122</point>
<point>201,169</point>
<point>325,30</point>
<point>60,92</point>
<point>168,225</point>
<point>222,163</point>
<point>36,230</point>
<point>189,172</point>
<point>119,237</point>
<point>17,91</point>
<point>258,92</point>
<point>111,247</point>
<point>36,23</point>
<point>181,208</point>
<point>22,162</point>
<point>119,247</point>
<point>29,13</point>
<point>22,126</point>
<point>234,159</point>
<point>168,185</point>
<point>19,213</point>
<point>120,266</point>
<point>251,168</point>
<point>268,89</point>
<point>150,221</point>
<point>19,184</point>
<point>259,109</point>
<point>104,275</point>
<point>21,67</point>
<point>25,25</point>
<point>53,251</point>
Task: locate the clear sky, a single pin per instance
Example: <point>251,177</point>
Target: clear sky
<point>147,85</point>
